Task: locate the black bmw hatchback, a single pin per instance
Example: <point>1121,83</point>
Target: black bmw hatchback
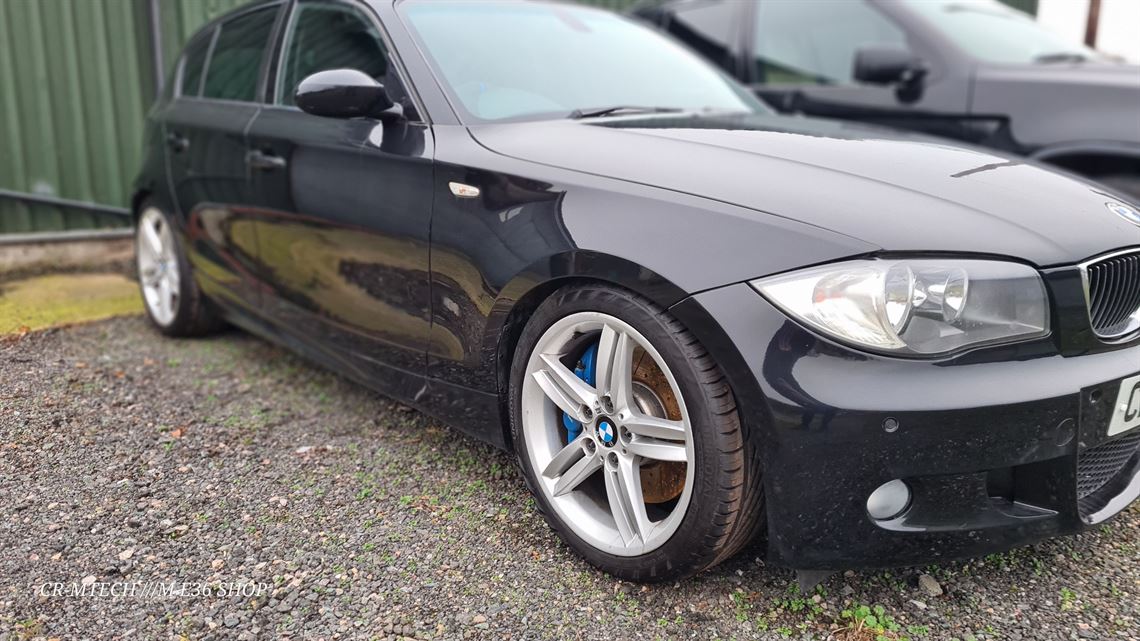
<point>693,320</point>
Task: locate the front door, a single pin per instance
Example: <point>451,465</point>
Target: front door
<point>204,128</point>
<point>344,209</point>
<point>802,60</point>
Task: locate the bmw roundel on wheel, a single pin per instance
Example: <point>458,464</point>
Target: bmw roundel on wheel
<point>698,324</point>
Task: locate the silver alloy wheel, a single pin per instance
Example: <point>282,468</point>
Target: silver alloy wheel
<point>158,266</point>
<point>617,437</point>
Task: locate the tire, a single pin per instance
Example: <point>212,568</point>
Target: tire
<point>721,501</point>
<point>174,303</point>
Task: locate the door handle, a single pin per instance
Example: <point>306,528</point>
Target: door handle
<point>177,142</point>
<point>262,160</point>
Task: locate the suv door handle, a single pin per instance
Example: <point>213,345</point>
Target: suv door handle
<point>177,142</point>
<point>262,160</point>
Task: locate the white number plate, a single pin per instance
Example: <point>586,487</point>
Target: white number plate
<point>1126,413</point>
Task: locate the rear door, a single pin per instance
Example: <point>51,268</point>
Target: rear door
<point>345,207</point>
<point>205,129</point>
<point>801,59</point>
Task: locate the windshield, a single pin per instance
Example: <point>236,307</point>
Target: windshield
<point>994,32</point>
<point>505,60</point>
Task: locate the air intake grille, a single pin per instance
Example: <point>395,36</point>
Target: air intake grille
<point>1100,464</point>
<point>1114,294</point>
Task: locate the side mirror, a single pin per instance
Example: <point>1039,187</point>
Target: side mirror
<point>888,65</point>
<point>342,93</point>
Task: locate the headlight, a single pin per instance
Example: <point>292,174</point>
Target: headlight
<point>916,307</point>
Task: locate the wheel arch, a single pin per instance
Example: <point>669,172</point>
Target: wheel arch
<point>140,195</point>
<point>518,300</point>
<point>1093,159</point>
<point>151,184</point>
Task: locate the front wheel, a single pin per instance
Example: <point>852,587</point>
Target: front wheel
<point>628,436</point>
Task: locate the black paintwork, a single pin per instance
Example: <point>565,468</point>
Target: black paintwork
<point>341,239</point>
<point>1082,116</point>
<point>343,93</point>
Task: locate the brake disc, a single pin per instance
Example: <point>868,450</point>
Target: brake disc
<point>661,481</point>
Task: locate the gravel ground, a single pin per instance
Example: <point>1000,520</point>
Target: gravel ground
<point>289,503</point>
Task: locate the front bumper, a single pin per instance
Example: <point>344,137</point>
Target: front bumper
<point>988,443</point>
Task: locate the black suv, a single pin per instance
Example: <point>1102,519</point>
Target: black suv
<point>979,72</point>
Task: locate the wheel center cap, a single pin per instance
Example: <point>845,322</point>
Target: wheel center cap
<point>607,433</point>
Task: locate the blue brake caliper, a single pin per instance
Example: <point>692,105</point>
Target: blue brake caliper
<point>585,370</point>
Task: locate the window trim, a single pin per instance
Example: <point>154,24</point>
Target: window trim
<point>215,29</point>
<point>739,41</point>
<point>206,63</point>
<point>367,14</point>
<point>183,59</point>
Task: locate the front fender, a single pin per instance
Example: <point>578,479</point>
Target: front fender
<point>492,261</point>
<point>531,228</point>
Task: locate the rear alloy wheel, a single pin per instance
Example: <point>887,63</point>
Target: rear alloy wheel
<point>173,301</point>
<point>629,438</point>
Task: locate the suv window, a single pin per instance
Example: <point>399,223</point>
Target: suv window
<point>815,42</point>
<point>235,64</point>
<point>327,36</point>
<point>711,27</point>
<point>973,27</point>
<point>194,60</point>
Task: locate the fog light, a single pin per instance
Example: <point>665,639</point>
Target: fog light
<point>889,501</point>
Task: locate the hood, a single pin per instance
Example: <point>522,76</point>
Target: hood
<point>892,190</point>
<point>1062,104</point>
<point>1087,76</point>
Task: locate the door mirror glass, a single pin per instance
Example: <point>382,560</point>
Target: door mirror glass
<point>342,93</point>
<point>887,65</point>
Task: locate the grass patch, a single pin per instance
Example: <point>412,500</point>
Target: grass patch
<point>61,299</point>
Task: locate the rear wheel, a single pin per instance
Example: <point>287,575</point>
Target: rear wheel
<point>172,299</point>
<point>628,436</point>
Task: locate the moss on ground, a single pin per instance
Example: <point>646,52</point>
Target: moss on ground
<point>61,299</point>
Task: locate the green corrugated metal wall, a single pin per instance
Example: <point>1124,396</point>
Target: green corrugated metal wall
<point>70,124</point>
<point>76,78</point>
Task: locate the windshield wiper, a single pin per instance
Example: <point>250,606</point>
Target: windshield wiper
<point>1061,56</point>
<point>619,110</point>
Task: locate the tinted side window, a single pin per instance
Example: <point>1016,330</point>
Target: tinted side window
<point>815,42</point>
<point>709,27</point>
<point>194,60</point>
<point>329,36</point>
<point>236,61</point>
